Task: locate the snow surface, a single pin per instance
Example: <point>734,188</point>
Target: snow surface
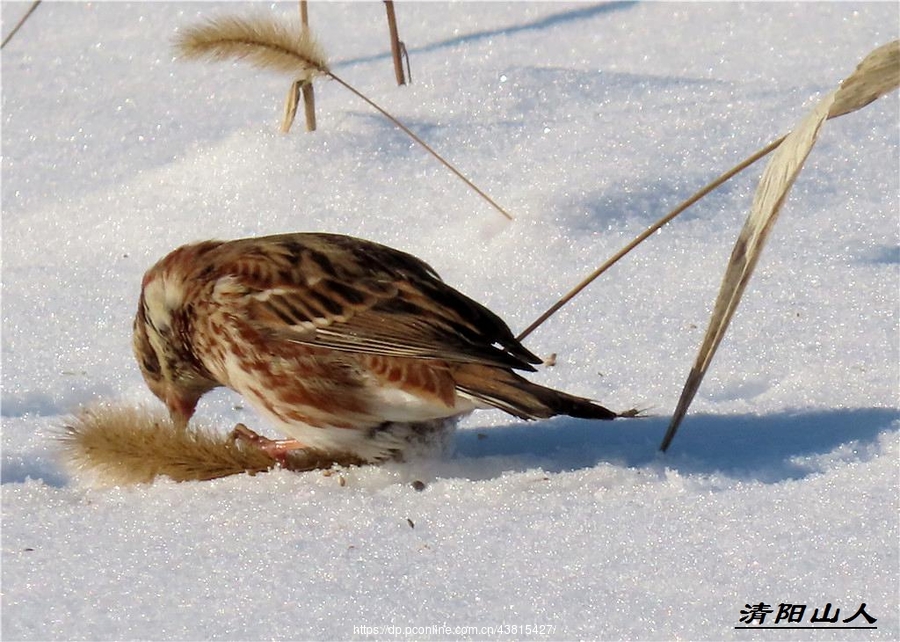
<point>587,122</point>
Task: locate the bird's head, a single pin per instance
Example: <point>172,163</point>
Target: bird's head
<point>162,344</point>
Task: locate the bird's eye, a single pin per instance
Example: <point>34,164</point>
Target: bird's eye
<point>150,365</point>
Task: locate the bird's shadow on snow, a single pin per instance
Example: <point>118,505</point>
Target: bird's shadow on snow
<point>767,448</point>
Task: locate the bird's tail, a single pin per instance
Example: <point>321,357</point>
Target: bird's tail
<point>503,389</point>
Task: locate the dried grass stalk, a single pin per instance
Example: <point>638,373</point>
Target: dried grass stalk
<point>261,40</point>
<point>114,445</point>
<point>15,30</point>
<point>309,105</point>
<point>307,89</point>
<point>395,41</point>
<point>876,75</point>
<point>269,44</point>
<point>647,233</point>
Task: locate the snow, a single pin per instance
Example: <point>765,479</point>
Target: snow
<point>587,122</point>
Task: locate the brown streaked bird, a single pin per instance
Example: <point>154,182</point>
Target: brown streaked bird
<point>348,347</point>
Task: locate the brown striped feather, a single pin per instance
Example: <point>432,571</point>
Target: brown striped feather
<point>357,296</point>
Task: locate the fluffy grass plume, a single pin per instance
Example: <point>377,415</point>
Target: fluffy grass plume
<point>115,445</point>
<point>260,40</point>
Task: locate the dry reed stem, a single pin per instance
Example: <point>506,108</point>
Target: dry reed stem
<point>302,86</point>
<point>876,75</point>
<point>9,36</point>
<point>307,89</point>
<point>304,13</point>
<point>643,236</point>
<point>309,105</point>
<point>395,41</point>
<point>425,145</point>
<point>114,445</point>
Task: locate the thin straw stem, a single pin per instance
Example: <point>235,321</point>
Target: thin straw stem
<point>309,93</point>
<point>649,231</point>
<point>421,142</point>
<point>395,41</point>
<point>34,5</point>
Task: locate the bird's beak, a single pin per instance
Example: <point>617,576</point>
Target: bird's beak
<point>181,409</point>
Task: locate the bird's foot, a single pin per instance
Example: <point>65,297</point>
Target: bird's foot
<point>278,449</point>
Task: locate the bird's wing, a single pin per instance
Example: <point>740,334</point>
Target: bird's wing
<point>347,294</point>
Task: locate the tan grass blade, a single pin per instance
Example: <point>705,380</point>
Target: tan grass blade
<point>290,106</point>
<point>879,73</point>
<point>307,89</point>
<point>770,195</point>
<point>115,445</point>
<point>261,40</point>
<point>396,45</point>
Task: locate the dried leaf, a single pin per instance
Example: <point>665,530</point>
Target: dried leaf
<point>876,75</point>
<point>290,106</point>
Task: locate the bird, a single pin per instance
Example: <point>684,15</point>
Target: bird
<point>346,346</point>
